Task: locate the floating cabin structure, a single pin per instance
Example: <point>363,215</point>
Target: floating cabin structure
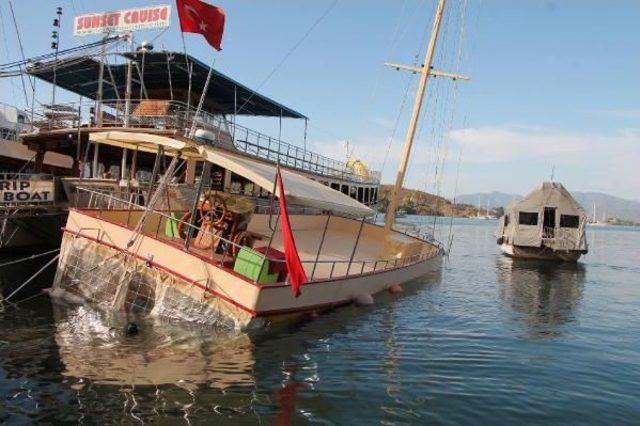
<point>548,224</point>
<point>172,212</point>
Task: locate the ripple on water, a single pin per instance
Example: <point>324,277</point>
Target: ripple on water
<point>488,341</point>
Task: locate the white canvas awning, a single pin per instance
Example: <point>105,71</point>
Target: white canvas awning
<point>299,189</point>
<point>146,142</point>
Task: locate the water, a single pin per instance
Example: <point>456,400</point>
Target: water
<point>489,341</point>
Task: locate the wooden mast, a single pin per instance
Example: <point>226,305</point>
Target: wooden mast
<point>425,71</point>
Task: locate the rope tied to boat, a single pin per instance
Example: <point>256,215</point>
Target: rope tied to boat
<point>24,259</point>
<point>32,277</point>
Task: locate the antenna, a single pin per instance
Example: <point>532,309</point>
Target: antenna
<point>553,172</point>
<point>55,45</point>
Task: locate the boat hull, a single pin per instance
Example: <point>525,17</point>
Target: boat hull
<point>99,266</point>
<point>539,253</point>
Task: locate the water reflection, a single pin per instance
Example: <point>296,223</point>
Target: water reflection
<point>545,293</point>
<point>79,362</point>
<point>96,348</point>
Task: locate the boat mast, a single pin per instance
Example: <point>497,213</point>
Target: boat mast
<point>425,72</point>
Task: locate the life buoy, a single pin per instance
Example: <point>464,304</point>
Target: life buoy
<point>242,239</point>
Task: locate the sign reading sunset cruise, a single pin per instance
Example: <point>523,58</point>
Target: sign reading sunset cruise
<point>122,21</point>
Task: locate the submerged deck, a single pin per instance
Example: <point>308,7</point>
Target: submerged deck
<point>339,253</point>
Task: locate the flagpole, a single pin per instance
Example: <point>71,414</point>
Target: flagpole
<point>192,131</point>
<point>189,71</point>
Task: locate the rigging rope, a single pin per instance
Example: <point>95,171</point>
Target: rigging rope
<point>24,259</point>
<point>6,299</point>
<point>15,24</point>
<point>290,52</point>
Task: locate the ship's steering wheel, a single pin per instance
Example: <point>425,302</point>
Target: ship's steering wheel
<point>213,209</point>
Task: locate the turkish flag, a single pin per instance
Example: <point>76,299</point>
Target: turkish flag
<point>202,18</point>
<point>297,276</point>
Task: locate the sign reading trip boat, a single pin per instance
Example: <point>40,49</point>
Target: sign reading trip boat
<point>121,21</point>
<point>18,191</point>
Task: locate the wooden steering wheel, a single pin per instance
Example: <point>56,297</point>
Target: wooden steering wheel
<point>213,209</point>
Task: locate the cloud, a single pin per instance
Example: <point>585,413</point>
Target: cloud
<point>495,144</point>
<point>499,144</point>
<point>599,161</point>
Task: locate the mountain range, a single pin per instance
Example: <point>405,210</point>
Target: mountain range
<point>606,206</point>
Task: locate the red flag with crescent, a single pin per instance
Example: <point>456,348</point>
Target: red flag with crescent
<point>297,276</point>
<point>202,18</point>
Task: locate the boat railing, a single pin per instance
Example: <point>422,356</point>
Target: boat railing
<point>562,239</point>
<point>223,249</point>
<point>26,176</point>
<point>548,233</point>
<point>180,117</point>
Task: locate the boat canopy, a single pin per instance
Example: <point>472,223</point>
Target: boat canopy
<point>161,75</point>
<point>299,189</point>
<point>145,142</point>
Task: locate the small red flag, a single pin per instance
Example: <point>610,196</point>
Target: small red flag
<point>297,276</point>
<point>202,18</point>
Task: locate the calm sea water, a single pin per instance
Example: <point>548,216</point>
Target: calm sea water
<point>488,341</point>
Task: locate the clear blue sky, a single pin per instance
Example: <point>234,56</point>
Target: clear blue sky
<point>554,83</point>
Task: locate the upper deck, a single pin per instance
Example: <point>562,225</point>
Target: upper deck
<point>177,118</point>
<point>163,91</point>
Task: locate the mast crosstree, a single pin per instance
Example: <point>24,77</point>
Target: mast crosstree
<point>425,71</point>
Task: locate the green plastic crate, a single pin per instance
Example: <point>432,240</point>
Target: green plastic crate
<point>171,226</point>
<point>254,266</point>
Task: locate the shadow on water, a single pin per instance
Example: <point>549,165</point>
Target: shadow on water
<point>545,293</point>
<point>62,362</point>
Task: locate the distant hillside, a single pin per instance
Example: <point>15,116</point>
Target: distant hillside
<point>419,202</point>
<point>494,199</point>
<point>606,206</point>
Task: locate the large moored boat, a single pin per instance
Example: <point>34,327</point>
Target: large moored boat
<point>173,211</point>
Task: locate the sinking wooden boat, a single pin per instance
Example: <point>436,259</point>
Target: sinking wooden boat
<point>200,239</point>
<point>548,224</point>
<point>128,255</point>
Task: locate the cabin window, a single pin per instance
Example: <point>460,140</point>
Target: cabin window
<point>353,192</point>
<point>506,220</point>
<point>569,221</point>
<point>366,195</point>
<point>525,218</point>
<point>345,189</point>
<point>361,195</point>
<point>335,186</point>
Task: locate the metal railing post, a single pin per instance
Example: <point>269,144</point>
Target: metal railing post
<point>355,246</point>
<point>324,233</point>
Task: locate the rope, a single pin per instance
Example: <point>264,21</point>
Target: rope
<point>24,259</point>
<point>15,24</point>
<point>290,52</point>
<point>49,263</point>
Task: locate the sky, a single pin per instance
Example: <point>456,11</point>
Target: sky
<point>553,89</point>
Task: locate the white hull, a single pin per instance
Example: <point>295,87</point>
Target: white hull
<point>165,280</point>
<point>539,253</point>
